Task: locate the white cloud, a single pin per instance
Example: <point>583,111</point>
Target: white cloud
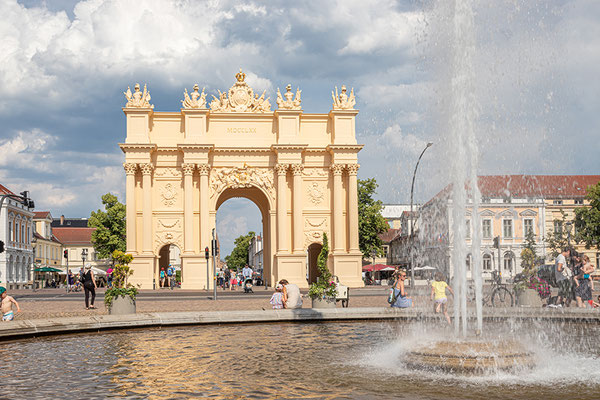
<point>25,150</point>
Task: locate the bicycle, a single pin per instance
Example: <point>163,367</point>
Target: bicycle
<point>497,296</point>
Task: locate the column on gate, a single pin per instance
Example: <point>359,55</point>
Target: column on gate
<point>353,205</point>
<point>188,207</point>
<point>338,216</point>
<point>130,210</point>
<point>147,207</point>
<point>282,243</point>
<point>297,207</point>
<point>205,232</point>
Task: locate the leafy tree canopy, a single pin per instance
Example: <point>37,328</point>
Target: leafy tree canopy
<point>558,239</point>
<point>587,219</point>
<point>239,255</point>
<point>370,221</point>
<point>110,227</point>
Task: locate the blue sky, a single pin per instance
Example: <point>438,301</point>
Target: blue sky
<point>64,65</point>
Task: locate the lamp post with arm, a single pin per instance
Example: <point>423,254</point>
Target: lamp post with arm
<point>33,245</point>
<point>411,217</point>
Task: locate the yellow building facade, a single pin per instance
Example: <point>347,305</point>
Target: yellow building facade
<point>299,169</point>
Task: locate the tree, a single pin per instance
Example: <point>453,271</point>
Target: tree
<point>587,219</point>
<point>324,287</point>
<point>558,239</point>
<point>110,227</point>
<point>370,221</point>
<point>239,255</point>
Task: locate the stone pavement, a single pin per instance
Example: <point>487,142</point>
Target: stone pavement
<point>55,307</point>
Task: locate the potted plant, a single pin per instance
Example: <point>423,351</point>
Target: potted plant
<point>530,289</point>
<point>120,298</point>
<point>323,291</point>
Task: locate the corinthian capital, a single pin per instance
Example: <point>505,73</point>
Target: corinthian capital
<point>203,169</point>
<point>281,169</point>
<point>352,169</point>
<point>130,168</point>
<point>337,169</point>
<point>297,169</point>
<point>188,169</point>
<point>146,168</point>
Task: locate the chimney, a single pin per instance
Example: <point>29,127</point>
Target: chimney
<point>62,219</point>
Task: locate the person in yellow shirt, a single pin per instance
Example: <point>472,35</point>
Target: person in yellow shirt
<point>438,295</point>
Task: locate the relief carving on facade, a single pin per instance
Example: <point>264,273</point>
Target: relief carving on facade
<point>195,100</point>
<point>316,193</point>
<point>343,101</point>
<point>138,99</point>
<point>337,169</point>
<point>130,168</point>
<point>167,172</point>
<point>315,172</point>
<point>168,231</point>
<point>168,195</point>
<point>313,230</point>
<point>313,237</point>
<point>287,101</point>
<point>245,177</point>
<point>240,98</point>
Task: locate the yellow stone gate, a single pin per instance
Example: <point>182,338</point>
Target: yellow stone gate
<point>299,169</point>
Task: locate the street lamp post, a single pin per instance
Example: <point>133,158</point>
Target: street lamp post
<point>84,254</point>
<point>33,245</point>
<point>569,225</point>
<point>412,189</point>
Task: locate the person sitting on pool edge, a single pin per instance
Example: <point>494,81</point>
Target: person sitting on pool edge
<point>291,294</point>
<point>401,300</point>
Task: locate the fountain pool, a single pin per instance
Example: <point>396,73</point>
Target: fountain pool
<point>357,360</point>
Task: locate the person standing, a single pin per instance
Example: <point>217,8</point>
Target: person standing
<point>170,277</point>
<point>162,275</point>
<point>291,294</point>
<point>109,277</point>
<point>438,295</point>
<point>89,286</point>
<point>70,280</point>
<point>247,273</point>
<point>7,304</point>
<point>563,276</point>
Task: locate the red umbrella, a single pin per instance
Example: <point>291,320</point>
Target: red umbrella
<point>375,267</point>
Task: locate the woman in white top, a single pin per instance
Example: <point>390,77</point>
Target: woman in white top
<point>291,294</point>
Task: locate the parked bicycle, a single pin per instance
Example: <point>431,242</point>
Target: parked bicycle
<point>498,294</point>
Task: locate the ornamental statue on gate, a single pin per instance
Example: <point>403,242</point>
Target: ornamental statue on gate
<point>287,101</point>
<point>343,101</point>
<point>195,100</point>
<point>240,98</point>
<point>138,99</point>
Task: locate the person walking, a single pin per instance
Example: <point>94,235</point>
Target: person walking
<point>109,277</point>
<point>89,286</point>
<point>563,275</point>
<point>170,276</point>
<point>438,295</point>
<point>162,275</point>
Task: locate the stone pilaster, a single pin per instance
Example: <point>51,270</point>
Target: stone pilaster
<point>338,216</point>
<point>205,234</point>
<point>297,207</point>
<point>282,240</point>
<point>188,210</point>
<point>130,170</point>
<point>147,207</point>
<point>353,206</point>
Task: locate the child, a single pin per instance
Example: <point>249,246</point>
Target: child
<point>596,304</point>
<point>7,302</point>
<point>438,295</point>
<point>277,298</point>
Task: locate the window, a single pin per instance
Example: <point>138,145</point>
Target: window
<point>385,252</point>
<point>16,232</point>
<point>468,229</point>
<point>557,202</point>
<point>486,228</point>
<point>508,261</point>
<point>487,262</point>
<point>468,262</point>
<point>10,231</point>
<point>28,235</point>
<point>557,226</point>
<point>507,228</point>
<point>527,227</point>
<point>506,200</point>
<point>579,202</point>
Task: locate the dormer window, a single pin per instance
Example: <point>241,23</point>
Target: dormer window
<point>557,202</point>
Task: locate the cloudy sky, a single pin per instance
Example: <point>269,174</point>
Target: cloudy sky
<point>64,65</point>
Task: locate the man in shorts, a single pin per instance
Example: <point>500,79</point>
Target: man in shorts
<point>6,305</point>
<point>563,276</point>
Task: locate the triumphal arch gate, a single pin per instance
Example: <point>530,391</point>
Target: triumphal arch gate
<point>298,168</point>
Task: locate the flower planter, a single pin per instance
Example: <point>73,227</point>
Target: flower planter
<point>528,298</point>
<point>122,305</point>
<point>323,303</point>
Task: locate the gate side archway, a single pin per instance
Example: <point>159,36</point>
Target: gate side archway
<point>300,169</point>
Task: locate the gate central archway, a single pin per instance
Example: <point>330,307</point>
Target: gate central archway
<point>299,169</point>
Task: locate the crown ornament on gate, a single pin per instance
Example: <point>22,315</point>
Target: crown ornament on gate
<point>240,98</point>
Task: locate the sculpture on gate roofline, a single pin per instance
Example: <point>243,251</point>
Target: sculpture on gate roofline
<point>343,101</point>
<point>138,99</point>
<point>195,100</point>
<point>240,98</point>
<point>289,103</point>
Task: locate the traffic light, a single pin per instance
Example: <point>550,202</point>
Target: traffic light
<point>25,198</point>
<point>206,255</point>
<point>1,246</point>
<point>66,253</point>
<point>497,242</point>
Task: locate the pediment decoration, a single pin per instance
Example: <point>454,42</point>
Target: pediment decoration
<point>487,213</point>
<point>507,213</point>
<point>316,193</point>
<point>244,177</point>
<point>528,213</point>
<point>240,98</point>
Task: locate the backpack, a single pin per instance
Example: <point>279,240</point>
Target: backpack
<point>162,274</point>
<point>392,297</point>
<point>170,271</point>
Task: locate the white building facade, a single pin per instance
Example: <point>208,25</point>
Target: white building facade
<point>16,230</point>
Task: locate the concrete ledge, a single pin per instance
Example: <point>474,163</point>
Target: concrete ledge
<point>42,327</point>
